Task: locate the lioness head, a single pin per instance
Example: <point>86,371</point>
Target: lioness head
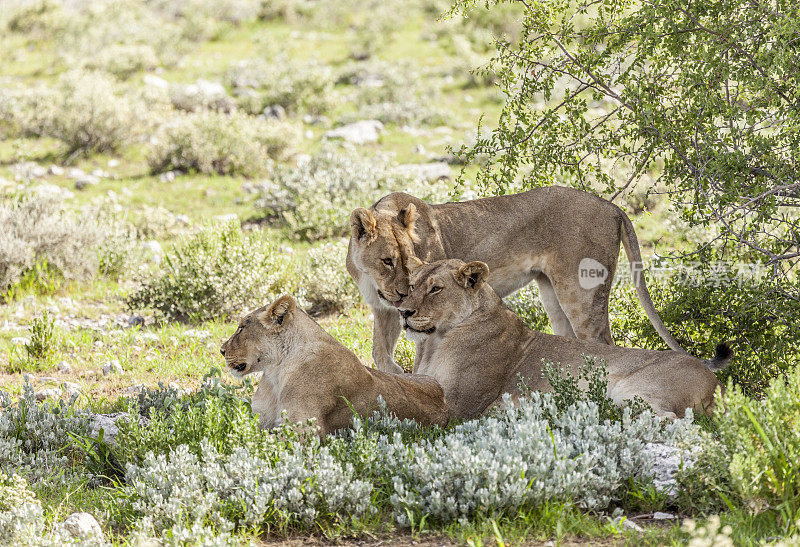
<point>259,340</point>
<point>384,250</point>
<point>443,294</point>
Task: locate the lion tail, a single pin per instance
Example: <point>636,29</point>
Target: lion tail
<point>631,244</point>
<point>721,359</point>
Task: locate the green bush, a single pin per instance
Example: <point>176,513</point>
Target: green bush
<point>227,144</point>
<point>754,319</point>
<point>217,273</point>
<point>762,439</point>
<point>217,415</point>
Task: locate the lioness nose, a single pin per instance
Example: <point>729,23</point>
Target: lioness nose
<point>407,313</point>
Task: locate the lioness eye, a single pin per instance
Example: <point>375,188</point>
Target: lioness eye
<point>434,290</point>
<point>388,261</point>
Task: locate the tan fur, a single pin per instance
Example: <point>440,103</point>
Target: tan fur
<point>477,349</point>
<point>307,373</point>
<point>541,235</point>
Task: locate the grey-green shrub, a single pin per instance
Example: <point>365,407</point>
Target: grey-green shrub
<point>277,81</point>
<point>326,286</point>
<point>314,199</point>
<point>37,229</point>
<point>227,144</point>
<point>87,111</point>
<point>36,439</point>
<point>217,273</point>
<point>492,467</point>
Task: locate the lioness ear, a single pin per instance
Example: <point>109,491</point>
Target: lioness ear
<point>472,275</point>
<point>362,223</point>
<point>408,217</point>
<point>277,313</point>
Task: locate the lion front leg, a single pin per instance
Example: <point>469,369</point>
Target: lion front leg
<point>386,332</point>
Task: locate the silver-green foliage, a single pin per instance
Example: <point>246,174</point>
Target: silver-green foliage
<point>36,439</point>
<point>88,111</point>
<point>315,198</point>
<point>37,230</point>
<point>326,284</point>
<point>227,144</point>
<point>520,457</point>
<point>217,273</point>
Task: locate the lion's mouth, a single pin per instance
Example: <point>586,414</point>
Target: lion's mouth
<point>429,330</point>
<point>239,367</point>
<point>395,303</point>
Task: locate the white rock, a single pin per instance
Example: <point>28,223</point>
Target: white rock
<point>169,176</point>
<point>135,389</point>
<point>632,525</point>
<point>427,171</point>
<point>64,367</point>
<point>45,379</point>
<point>99,173</point>
<point>195,333</point>
<point>112,367</point>
<point>56,170</point>
<point>666,462</point>
<point>20,341</point>
<point>183,220</point>
<point>71,388</point>
<point>155,81</point>
<point>82,525</point>
<point>658,515</point>
<point>360,132</point>
<point>154,248</point>
<point>50,393</point>
<point>28,170</point>
<point>148,337</point>
<point>75,173</point>
<point>52,190</point>
<point>108,423</point>
<point>112,163</point>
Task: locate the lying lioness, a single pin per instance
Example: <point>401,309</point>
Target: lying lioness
<point>564,239</point>
<point>310,375</point>
<point>478,349</point>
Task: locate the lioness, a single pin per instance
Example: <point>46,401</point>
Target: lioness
<point>478,349</point>
<point>565,239</point>
<point>310,375</point>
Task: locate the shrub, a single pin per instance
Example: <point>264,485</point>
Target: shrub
<point>217,273</point>
<point>280,82</point>
<point>40,349</point>
<point>37,230</point>
<point>36,439</point>
<point>20,512</point>
<point>315,198</point>
<point>701,312</point>
<point>87,111</point>
<point>762,441</point>
<point>228,144</point>
<point>326,285</point>
<point>216,415</point>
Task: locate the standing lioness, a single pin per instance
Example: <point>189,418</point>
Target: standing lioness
<point>307,373</point>
<point>566,240</point>
<point>477,349</point>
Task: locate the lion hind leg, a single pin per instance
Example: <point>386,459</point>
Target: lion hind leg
<point>586,309</point>
<point>555,313</point>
